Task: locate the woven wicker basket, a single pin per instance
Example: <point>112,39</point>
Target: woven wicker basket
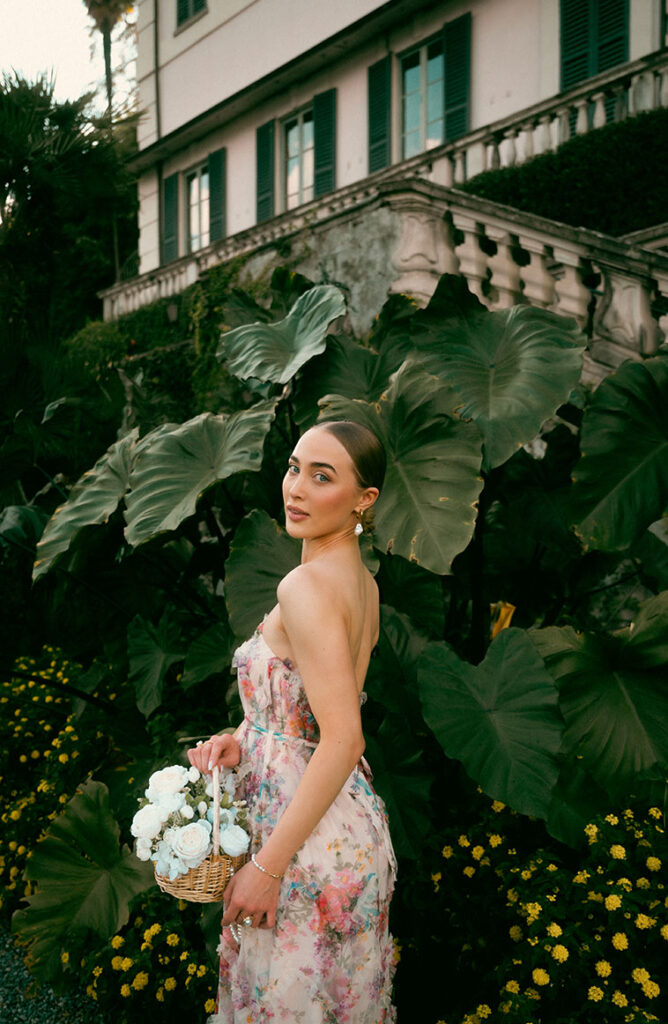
<point>206,883</point>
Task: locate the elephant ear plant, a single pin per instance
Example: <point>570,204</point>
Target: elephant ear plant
<point>550,719</point>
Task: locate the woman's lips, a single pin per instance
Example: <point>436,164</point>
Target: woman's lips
<point>295,514</point>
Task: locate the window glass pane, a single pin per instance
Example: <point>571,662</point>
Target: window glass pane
<point>412,113</point>
<point>434,62</point>
<point>307,131</point>
<point>307,175</point>
<point>434,102</point>
<point>411,144</point>
<point>204,208</point>
<point>292,138</point>
<point>411,73</point>
<point>292,183</point>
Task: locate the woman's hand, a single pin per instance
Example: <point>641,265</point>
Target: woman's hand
<point>222,750</point>
<point>251,894</point>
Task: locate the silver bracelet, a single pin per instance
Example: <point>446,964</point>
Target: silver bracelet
<point>263,870</point>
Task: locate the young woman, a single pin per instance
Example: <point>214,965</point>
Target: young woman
<point>313,902</point>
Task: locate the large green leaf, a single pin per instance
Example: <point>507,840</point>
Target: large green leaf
<point>613,694</point>
<point>274,352</point>
<point>85,880</point>
<point>426,512</point>
<point>409,588</point>
<point>512,368</point>
<point>401,779</point>
<point>576,800</point>
<point>151,653</point>
<point>500,718</point>
<point>621,481</point>
<point>261,554</point>
<point>392,675</point>
<point>92,500</point>
<point>208,654</point>
<point>21,526</point>
<point>170,474</point>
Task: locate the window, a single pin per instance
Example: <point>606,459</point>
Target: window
<point>422,99</point>
<point>200,195</point>
<point>435,89</point>
<point>298,143</point>
<point>197,210</point>
<point>307,155</point>
<point>186,9</point>
<point>594,37</point>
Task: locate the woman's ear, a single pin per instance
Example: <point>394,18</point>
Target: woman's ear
<point>368,498</point>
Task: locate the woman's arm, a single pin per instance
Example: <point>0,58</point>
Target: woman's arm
<point>314,621</point>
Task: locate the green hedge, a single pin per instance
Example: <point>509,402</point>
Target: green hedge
<point>612,180</point>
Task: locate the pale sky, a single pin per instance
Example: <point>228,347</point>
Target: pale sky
<point>45,35</point>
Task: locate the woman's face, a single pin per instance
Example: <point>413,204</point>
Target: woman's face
<point>320,489</point>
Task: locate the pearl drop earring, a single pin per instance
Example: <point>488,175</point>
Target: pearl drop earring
<point>359,529</point>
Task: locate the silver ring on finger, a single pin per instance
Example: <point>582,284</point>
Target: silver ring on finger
<point>247,921</point>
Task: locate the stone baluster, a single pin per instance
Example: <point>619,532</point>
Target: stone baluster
<point>543,135</point>
<point>642,92</point>
<point>663,87</point>
<point>537,280</point>
<point>460,166</point>
<point>505,279</point>
<point>572,296</point>
<point>563,125</point>
<point>511,149</point>
<point>598,99</point>
<point>472,260</point>
<point>424,251</point>
<point>494,161</point>
<point>623,323</point>
<point>528,130</point>
<point>621,106</point>
<point>582,119</point>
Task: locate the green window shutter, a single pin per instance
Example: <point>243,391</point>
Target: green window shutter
<point>612,35</point>
<point>379,88</point>
<point>217,196</point>
<point>182,11</point>
<point>457,76</point>
<point>576,30</point>
<point>264,155</point>
<point>324,142</point>
<point>170,218</point>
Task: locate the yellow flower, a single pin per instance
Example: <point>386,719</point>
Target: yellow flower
<point>170,983</point>
<point>172,939</point>
<point>477,852</point>
<point>651,989</point>
<point>495,840</point>
<point>210,1006</point>
<point>497,806</point>
<point>654,812</point>
<point>447,852</point>
<point>125,991</point>
<point>463,841</point>
<point>581,877</point>
<point>192,968</point>
<point>612,902</point>
<point>63,758</point>
<point>116,963</point>
<point>664,932</point>
<point>526,875</point>
<point>620,941</point>
<point>117,941</point>
<point>554,929</point>
<point>619,999</point>
<point>515,933</point>
<point>612,819</point>
<point>469,871</point>
<point>160,995</point>
<point>591,831</point>
<point>625,884</point>
<point>640,974</point>
<point>512,986</point>
<point>97,971</point>
<point>483,1011</point>
<point>436,878</point>
<point>643,921</point>
<point>201,970</point>
<point>560,954</point>
<point>653,863</point>
<point>540,976</point>
<point>643,883</point>
<point>126,963</point>
<point>617,852</point>
<point>140,981</point>
<point>603,969</point>
<point>184,955</point>
<point>512,896</point>
<point>552,867</point>
<point>90,991</point>
<point>595,994</point>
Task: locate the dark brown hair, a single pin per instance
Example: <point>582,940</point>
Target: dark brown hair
<point>366,452</point>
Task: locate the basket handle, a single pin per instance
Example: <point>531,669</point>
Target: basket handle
<point>216,808</point>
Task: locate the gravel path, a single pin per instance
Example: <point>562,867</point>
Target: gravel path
<point>18,1007</point>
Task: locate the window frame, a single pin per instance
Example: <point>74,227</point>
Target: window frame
<point>198,169</point>
<point>422,49</point>
<point>182,21</point>
<point>285,122</point>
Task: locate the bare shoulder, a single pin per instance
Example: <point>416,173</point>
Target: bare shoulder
<point>307,585</point>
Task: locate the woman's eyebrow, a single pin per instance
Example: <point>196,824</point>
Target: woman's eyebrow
<point>313,465</point>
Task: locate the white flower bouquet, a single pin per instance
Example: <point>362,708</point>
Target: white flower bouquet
<point>183,820</point>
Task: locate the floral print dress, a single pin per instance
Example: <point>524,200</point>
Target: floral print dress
<point>330,958</point>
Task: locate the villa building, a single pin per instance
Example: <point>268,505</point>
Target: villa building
<point>340,131</point>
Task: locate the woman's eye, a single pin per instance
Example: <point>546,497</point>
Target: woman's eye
<point>321,478</point>
<point>292,469</point>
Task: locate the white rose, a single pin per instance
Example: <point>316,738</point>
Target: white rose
<point>187,811</point>
<point>169,803</point>
<point>167,781</point>
<point>143,854</point>
<point>193,774</point>
<point>202,807</point>
<point>146,823</point>
<point>234,840</point>
<point>192,843</point>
